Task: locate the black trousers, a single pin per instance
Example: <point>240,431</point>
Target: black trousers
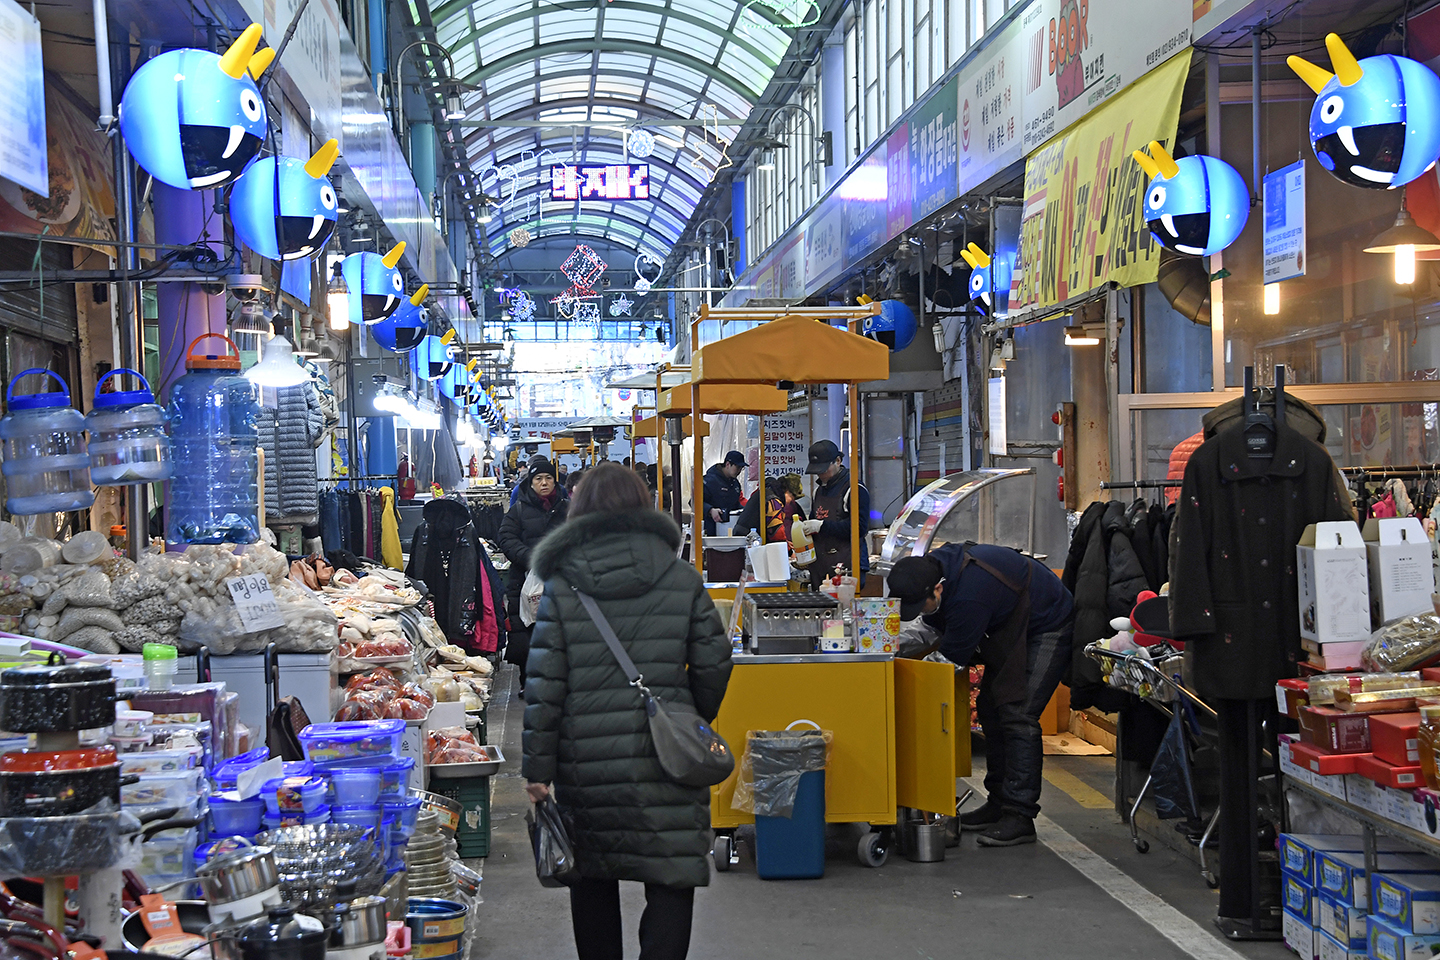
<point>1239,730</point>
<point>664,926</point>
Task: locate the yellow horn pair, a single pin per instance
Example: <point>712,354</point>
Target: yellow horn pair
<point>236,60</point>
<point>976,257</point>
<point>1347,68</point>
<point>1158,163</point>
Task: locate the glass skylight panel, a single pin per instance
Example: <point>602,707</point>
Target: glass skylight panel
<point>566,25</point>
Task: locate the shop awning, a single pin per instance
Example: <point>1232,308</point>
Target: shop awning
<point>727,398</point>
<point>793,348</point>
<point>560,445</point>
<point>646,381</point>
<point>646,428</point>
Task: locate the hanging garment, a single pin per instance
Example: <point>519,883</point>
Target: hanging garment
<point>1384,508</point>
<point>443,555</point>
<point>330,534</point>
<point>390,551</point>
<point>289,433</point>
<point>491,614</point>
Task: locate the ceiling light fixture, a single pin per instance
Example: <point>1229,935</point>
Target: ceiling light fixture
<point>454,110</point>
<point>1404,240</point>
<point>277,366</point>
<point>1272,299</point>
<point>1079,337</point>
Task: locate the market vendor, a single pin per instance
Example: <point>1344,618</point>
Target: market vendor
<point>722,494</point>
<point>995,606</point>
<point>782,508</point>
<point>830,515</point>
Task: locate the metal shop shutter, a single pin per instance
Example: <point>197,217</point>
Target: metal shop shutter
<point>20,304</point>
<point>941,424</point>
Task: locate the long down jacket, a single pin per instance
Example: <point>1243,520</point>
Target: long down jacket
<point>289,433</point>
<point>585,727</point>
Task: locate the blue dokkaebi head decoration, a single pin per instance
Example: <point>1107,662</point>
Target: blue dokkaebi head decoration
<point>376,287</point>
<point>432,359</point>
<point>285,209</point>
<point>1195,205</point>
<point>1376,122</point>
<point>893,326</point>
<point>403,330</point>
<point>193,119</point>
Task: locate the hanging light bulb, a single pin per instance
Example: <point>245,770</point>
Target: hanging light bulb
<point>337,302</point>
<point>1272,297</point>
<point>277,366</point>
<point>1403,240</point>
<point>1405,264</point>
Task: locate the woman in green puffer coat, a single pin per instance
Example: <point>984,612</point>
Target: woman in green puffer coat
<point>586,732</point>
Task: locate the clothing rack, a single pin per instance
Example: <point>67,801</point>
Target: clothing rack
<point>1408,472</point>
<point>1139,484</point>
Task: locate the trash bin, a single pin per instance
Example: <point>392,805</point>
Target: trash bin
<point>788,773</point>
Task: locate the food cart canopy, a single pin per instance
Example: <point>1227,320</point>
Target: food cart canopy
<point>560,445</point>
<point>646,381</point>
<point>727,398</point>
<point>641,429</point>
<point>792,348</point>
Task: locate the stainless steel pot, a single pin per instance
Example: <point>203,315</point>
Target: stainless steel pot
<point>359,922</point>
<point>239,874</point>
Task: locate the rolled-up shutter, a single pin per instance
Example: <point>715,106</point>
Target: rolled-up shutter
<point>39,310</point>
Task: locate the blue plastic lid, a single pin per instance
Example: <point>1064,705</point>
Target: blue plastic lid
<point>37,401</point>
<point>123,398</point>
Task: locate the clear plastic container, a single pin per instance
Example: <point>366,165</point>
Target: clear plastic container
<point>213,496</point>
<point>356,786</point>
<point>227,774</point>
<point>366,815</point>
<point>395,778</point>
<point>352,740</point>
<point>46,467</point>
<point>293,794</point>
<point>128,443</point>
<point>406,813</point>
<point>160,665</point>
<point>162,789</point>
<point>233,817</point>
<point>274,821</point>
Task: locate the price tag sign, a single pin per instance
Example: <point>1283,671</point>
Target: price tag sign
<point>255,602</point>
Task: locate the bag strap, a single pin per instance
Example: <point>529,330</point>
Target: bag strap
<point>613,642</point>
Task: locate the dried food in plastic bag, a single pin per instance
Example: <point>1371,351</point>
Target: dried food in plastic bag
<point>771,767</point>
<point>76,617</point>
<point>403,708</point>
<point>97,639</point>
<point>1405,644</point>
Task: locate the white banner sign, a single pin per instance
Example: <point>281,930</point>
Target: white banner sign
<point>991,124</point>
<point>1284,209</point>
<point>999,444</point>
<point>24,153</point>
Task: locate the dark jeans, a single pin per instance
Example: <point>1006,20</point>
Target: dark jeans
<point>664,926</point>
<point>1013,749</point>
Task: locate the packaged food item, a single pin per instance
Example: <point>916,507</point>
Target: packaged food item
<point>1426,740</point>
<point>1405,644</point>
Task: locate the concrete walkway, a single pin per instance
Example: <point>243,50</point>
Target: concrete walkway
<point>1083,892</point>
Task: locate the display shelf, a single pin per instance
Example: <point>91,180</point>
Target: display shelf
<point>1372,822</point>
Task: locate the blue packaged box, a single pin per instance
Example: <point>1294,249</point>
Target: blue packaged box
<point>1389,942</point>
<point>1410,901</point>
<point>1343,874</point>
<point>1298,896</point>
<point>1343,921</point>
<point>1298,851</point>
<point>1328,948</point>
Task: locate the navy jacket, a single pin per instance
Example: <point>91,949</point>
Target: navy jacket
<point>976,603</point>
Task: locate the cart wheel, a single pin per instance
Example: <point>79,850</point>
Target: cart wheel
<point>873,850</point>
<point>1142,846</point>
<point>720,853</point>
<point>1211,881</point>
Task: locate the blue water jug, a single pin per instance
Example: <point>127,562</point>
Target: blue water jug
<point>46,467</point>
<point>213,496</point>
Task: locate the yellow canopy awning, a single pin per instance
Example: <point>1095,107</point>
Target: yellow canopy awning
<point>563,445</point>
<point>727,398</point>
<point>792,348</point>
<point>646,428</point>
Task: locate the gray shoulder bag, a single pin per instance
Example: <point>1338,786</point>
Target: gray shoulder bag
<point>690,750</point>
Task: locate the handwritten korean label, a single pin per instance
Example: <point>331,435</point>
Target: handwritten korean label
<point>255,602</point>
<point>786,446</point>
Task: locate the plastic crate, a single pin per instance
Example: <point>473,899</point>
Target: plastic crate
<point>473,794</point>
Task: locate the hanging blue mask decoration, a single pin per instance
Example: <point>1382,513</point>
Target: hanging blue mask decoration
<point>404,329</point>
<point>893,326</point>
<point>988,274</point>
<point>194,119</point>
<point>376,287</point>
<point>285,209</point>
<point>1195,205</point>
<point>432,358</point>
<point>1375,122</point>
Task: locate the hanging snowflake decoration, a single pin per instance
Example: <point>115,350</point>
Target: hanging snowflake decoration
<point>519,237</point>
<point>641,144</point>
<point>565,305</point>
<point>583,266</point>
<point>620,306</point>
<point>642,286</point>
<point>587,313</point>
<point>522,306</point>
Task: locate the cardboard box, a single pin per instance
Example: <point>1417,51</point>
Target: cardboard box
<point>1426,805</point>
<point>1393,738</point>
<point>1333,784</point>
<point>1318,760</point>
<point>1341,920</point>
<point>1330,657</point>
<point>877,625</point>
<point>1334,582</point>
<point>1410,901</point>
<point>1335,731</point>
<point>1299,851</point>
<point>1292,693</point>
<point>1404,778</point>
<point>1328,948</point>
<point>1298,896</point>
<point>1288,766</point>
<point>1404,809</point>
<point>1367,794</point>
<point>1388,942</point>
<point>1299,936</point>
<point>1402,575</point>
<point>1342,875</point>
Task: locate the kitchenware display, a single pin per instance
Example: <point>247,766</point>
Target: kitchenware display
<point>283,935</point>
<point>194,918</point>
<point>428,861</point>
<point>437,926</point>
<point>233,817</point>
<point>61,846</point>
<point>56,697</point>
<point>56,783</point>
<point>446,811</point>
<point>239,874</point>
<point>356,786</point>
<point>314,860</point>
<point>358,926</point>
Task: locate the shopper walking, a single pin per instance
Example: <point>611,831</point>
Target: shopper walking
<point>1011,613</point>
<point>586,732</point>
<point>540,506</point>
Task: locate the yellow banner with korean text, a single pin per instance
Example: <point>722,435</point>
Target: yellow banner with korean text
<point>1083,224</point>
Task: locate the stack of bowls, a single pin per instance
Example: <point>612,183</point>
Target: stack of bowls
<point>428,861</point>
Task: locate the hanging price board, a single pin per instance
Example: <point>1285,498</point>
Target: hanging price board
<point>255,602</point>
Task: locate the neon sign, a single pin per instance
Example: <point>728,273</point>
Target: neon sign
<point>620,181</point>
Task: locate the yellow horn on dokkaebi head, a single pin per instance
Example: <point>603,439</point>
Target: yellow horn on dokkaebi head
<point>1168,167</point>
<point>393,257</point>
<point>320,164</point>
<point>260,61</point>
<point>1347,68</point>
<point>235,61</point>
<point>982,259</point>
<point>1147,163</point>
<point>969,258</point>
<point>1315,77</point>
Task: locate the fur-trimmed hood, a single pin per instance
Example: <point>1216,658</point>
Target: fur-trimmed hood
<point>610,554</point>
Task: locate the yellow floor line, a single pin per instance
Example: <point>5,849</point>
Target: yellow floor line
<point>1078,790</point>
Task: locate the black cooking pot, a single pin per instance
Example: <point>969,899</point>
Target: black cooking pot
<point>56,783</point>
<point>283,936</point>
<point>57,697</point>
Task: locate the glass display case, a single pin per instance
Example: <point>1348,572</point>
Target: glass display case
<point>986,506</point>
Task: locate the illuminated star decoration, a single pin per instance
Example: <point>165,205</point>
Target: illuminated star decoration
<point>620,306</point>
<point>522,306</point>
<point>565,305</point>
<point>698,161</point>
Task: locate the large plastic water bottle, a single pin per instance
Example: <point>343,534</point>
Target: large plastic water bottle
<point>128,445</point>
<point>213,496</point>
<point>46,467</point>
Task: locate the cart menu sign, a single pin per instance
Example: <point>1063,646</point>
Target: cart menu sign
<point>786,446</point>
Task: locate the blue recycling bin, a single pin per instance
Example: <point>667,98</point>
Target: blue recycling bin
<point>793,848</point>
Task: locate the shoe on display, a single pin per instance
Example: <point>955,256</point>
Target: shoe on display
<point>1012,830</point>
<point>981,817</point>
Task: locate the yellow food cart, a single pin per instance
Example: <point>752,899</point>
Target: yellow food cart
<point>901,727</point>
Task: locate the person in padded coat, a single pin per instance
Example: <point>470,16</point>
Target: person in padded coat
<point>540,508</point>
<point>586,732</point>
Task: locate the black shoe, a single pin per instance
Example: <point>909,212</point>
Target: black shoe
<point>1012,830</point>
<point>983,816</point>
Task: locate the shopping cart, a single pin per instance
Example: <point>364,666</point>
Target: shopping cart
<point>1157,680</point>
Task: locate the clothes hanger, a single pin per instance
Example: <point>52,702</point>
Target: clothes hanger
<point>1259,429</point>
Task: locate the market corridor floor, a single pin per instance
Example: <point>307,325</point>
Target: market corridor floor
<point>1061,898</point>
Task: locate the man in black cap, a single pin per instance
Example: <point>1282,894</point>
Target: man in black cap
<point>996,606</point>
<point>721,490</point>
<point>830,515</point>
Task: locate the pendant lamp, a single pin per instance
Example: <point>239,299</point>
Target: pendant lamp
<point>1404,240</point>
<point>277,366</point>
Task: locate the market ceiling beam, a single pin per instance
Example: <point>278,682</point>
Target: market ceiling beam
<point>614,45</point>
<point>601,123</point>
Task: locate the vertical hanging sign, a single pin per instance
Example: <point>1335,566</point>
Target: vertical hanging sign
<point>999,444</point>
<point>24,152</point>
<point>1285,223</point>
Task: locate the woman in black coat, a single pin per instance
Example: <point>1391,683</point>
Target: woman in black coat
<point>541,507</point>
<point>585,727</point>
